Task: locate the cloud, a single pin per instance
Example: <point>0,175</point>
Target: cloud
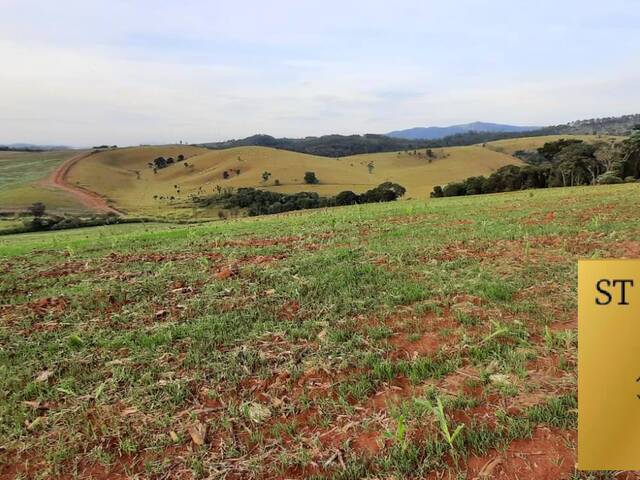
<point>134,72</point>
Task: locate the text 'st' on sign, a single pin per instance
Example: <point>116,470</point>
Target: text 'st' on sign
<point>609,365</point>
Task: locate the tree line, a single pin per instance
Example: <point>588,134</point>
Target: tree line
<point>336,146</point>
<point>562,163</point>
<point>263,202</point>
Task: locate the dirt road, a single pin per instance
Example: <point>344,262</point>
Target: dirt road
<point>91,200</point>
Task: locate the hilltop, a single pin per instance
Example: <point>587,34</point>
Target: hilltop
<point>483,131</point>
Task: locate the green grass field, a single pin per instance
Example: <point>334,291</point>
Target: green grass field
<point>308,344</point>
<point>20,177</point>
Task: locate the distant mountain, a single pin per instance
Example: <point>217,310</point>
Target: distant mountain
<point>431,137</point>
<point>434,133</point>
<point>31,147</point>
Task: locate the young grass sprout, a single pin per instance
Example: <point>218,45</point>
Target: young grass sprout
<point>443,423</point>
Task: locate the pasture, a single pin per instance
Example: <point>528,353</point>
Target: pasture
<point>342,343</point>
<point>125,178</point>
<point>22,176</point>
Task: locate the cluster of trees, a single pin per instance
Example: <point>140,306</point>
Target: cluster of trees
<point>160,162</point>
<point>41,221</point>
<point>262,202</point>
<point>561,163</point>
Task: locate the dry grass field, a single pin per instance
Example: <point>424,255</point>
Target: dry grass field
<point>512,145</point>
<point>124,177</point>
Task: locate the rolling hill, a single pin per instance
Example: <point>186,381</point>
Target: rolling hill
<point>512,145</point>
<point>123,180</point>
<point>326,145</point>
<point>124,177</point>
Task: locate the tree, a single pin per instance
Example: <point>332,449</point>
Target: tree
<point>396,188</point>
<point>385,192</point>
<point>346,198</point>
<point>437,192</point>
<point>454,189</point>
<point>630,163</point>
<point>37,209</point>
<point>310,178</point>
<point>550,149</point>
<point>160,162</point>
<point>577,164</point>
<point>609,178</point>
<point>607,154</point>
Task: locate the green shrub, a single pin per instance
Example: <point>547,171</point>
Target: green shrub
<point>608,178</point>
<point>310,178</point>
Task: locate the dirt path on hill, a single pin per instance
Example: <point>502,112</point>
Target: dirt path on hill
<point>91,200</point>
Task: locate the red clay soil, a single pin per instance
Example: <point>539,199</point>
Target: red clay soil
<point>57,179</point>
<point>548,455</point>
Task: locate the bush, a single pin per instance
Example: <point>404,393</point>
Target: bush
<point>310,178</point>
<point>454,189</point>
<point>608,178</point>
<point>261,202</point>
<point>55,222</point>
<point>385,192</point>
<point>346,198</point>
<point>629,179</point>
<point>37,209</point>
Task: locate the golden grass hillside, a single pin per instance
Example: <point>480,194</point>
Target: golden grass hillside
<point>512,145</point>
<point>124,176</point>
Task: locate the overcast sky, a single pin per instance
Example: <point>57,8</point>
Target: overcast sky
<point>128,72</point>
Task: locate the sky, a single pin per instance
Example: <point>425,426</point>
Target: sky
<point>91,72</point>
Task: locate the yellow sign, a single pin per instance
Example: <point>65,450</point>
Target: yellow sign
<point>609,365</point>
